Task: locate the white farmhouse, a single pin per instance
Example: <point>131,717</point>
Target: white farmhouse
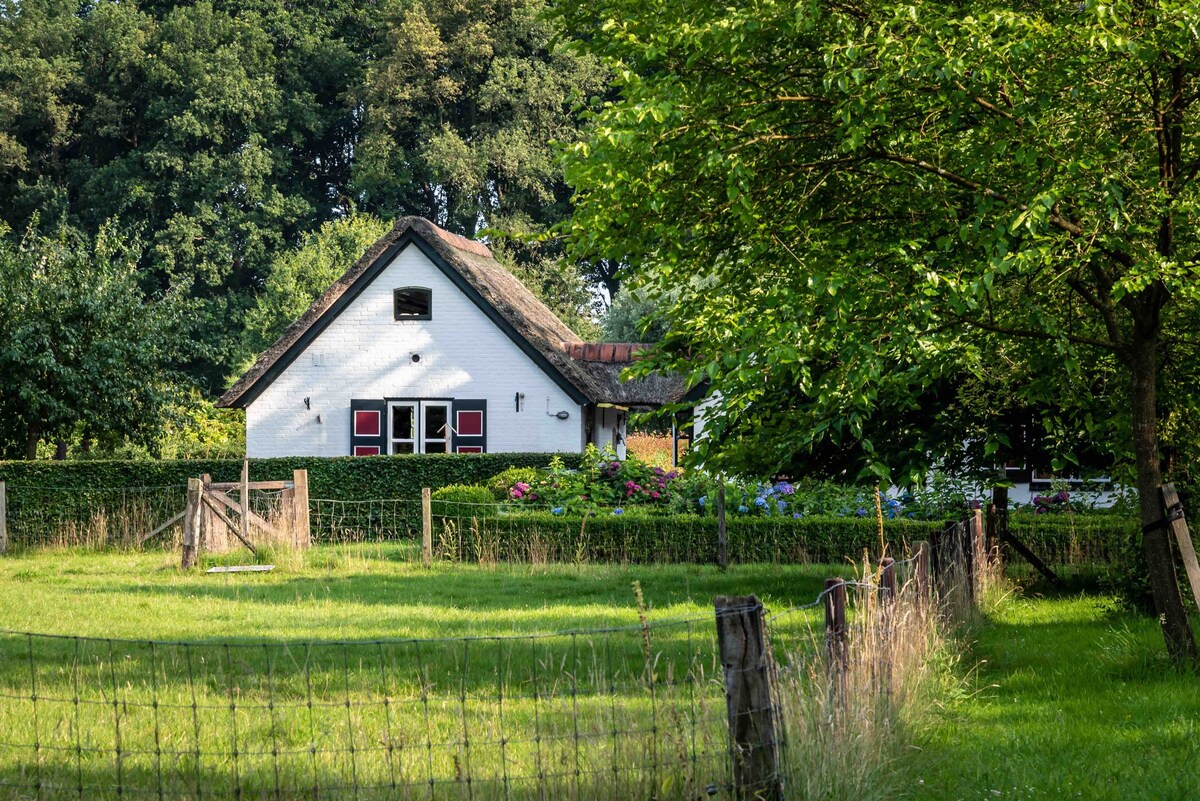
<point>428,345</point>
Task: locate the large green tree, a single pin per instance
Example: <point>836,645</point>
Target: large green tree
<point>462,113</point>
<point>80,351</point>
<point>856,201</point>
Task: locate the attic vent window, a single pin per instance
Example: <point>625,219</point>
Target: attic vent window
<point>413,303</point>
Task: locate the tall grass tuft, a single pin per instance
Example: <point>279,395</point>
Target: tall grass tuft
<point>848,722</point>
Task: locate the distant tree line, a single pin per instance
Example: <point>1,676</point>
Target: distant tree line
<point>244,153</point>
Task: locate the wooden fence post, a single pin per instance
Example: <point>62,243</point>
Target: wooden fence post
<point>887,582</point>
<point>244,501</point>
<point>835,622</point>
<point>921,575</point>
<point>935,562</point>
<point>426,527</point>
<point>997,524</point>
<point>1177,525</point>
<point>301,525</point>
<point>967,539</point>
<point>722,534</point>
<point>191,522</point>
<point>746,662</point>
<point>3,518</point>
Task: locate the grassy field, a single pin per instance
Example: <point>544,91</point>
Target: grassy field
<point>1069,699</point>
<point>354,673</point>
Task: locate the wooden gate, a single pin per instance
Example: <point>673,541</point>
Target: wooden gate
<point>214,519</point>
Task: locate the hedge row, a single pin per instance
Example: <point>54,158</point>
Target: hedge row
<point>541,537</point>
<point>53,502</point>
<point>1096,539</point>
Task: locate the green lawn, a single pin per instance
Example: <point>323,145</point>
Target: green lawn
<point>216,688</point>
<point>1069,699</point>
<point>360,592</point>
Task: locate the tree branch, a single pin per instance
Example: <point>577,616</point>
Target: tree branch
<point>1035,334</point>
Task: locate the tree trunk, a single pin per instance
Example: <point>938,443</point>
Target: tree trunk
<point>1160,562</point>
<point>33,435</point>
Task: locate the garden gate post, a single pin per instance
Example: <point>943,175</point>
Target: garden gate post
<point>3,518</point>
<point>746,661</point>
<point>301,524</point>
<point>191,522</point>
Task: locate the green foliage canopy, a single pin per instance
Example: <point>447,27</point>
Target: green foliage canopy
<point>78,345</point>
<point>859,204</point>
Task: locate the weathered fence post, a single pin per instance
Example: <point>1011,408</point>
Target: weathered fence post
<point>301,525</point>
<point>244,501</point>
<point>979,546</point>
<point>921,575</point>
<point>746,662</point>
<point>887,582</point>
<point>967,540</point>
<point>191,522</point>
<point>835,623</point>
<point>1177,525</point>
<point>3,518</point>
<point>935,562</point>
<point>426,527</point>
<point>997,524</point>
<point>722,534</point>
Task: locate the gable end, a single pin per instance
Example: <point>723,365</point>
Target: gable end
<point>409,237</point>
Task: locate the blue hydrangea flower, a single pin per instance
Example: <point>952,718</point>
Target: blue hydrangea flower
<point>780,505</point>
<point>557,510</point>
<point>618,511</point>
<point>861,512</point>
<point>703,500</point>
<point>743,508</point>
<point>760,502</point>
<point>796,515</point>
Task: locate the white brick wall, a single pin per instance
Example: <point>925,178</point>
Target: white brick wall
<point>364,353</point>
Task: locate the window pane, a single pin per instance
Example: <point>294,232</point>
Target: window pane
<point>435,422</point>
<point>402,422</point>
<point>402,447</point>
<point>412,302</point>
<point>435,446</point>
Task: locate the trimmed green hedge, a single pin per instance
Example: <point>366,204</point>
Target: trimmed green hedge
<point>344,477</point>
<point>1094,539</point>
<point>53,502</point>
<point>544,537</point>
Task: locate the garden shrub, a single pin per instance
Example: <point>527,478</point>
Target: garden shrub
<point>502,483</point>
<point>453,498</point>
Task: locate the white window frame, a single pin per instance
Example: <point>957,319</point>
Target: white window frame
<point>416,415</point>
<point>447,432</point>
<point>419,441</point>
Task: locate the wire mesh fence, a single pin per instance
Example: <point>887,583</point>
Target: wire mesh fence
<point>613,713</point>
<point>95,517</point>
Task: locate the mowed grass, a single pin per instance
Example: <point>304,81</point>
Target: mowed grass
<point>360,592</point>
<point>352,672</point>
<point>1069,699</point>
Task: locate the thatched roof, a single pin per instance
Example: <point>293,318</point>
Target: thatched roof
<point>576,366</point>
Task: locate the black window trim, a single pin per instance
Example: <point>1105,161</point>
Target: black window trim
<point>428,315</point>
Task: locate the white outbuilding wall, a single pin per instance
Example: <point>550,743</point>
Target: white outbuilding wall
<point>365,353</point>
